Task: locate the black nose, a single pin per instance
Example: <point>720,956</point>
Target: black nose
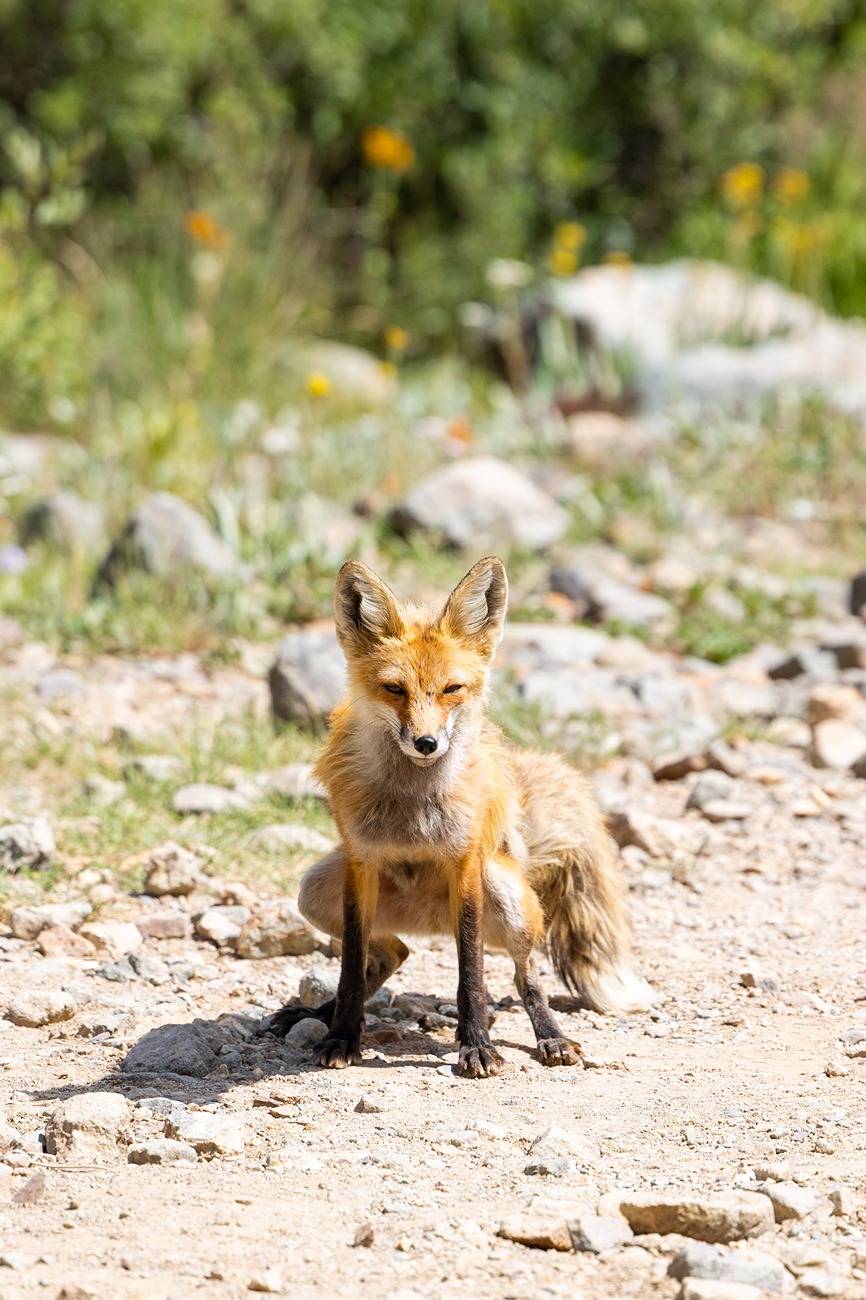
<point>426,744</point>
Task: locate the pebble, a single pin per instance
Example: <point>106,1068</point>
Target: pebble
<point>536,1232</point>
<point>369,1106</point>
<point>270,1282</point>
<point>173,872</point>
<point>161,1151</point>
<point>112,939</point>
<point>317,986</point>
<point>222,924</point>
<point>210,1134</point>
<point>306,1033</point>
<point>60,941</point>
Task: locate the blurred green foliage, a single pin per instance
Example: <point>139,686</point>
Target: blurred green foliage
<point>503,118</point>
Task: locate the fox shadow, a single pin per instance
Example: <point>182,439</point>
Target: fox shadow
<point>198,1061</point>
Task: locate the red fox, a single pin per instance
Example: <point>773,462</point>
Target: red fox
<point>445,828</point>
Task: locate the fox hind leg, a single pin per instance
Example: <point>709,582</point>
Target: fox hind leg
<point>514,921</point>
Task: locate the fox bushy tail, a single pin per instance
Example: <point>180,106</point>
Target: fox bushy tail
<point>586,930</point>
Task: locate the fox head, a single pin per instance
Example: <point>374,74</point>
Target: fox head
<point>418,674</point>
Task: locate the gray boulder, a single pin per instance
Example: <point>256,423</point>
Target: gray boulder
<point>308,677</point>
<point>165,536</point>
<point>64,519</point>
<point>482,502</point>
<point>176,1049</point>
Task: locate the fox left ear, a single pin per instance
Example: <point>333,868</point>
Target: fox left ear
<point>475,610</point>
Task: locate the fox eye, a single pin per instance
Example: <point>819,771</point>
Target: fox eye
<point>393,689</point>
<point>456,686</point>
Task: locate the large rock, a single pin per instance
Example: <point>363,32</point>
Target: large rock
<point>26,843</point>
<point>276,929</point>
<point>64,520</point>
<point>189,1049</point>
<point>354,376</point>
<point>749,1268</point>
<point>38,1008</point>
<point>308,677</point>
<point>606,599</point>
<point>89,1126</point>
<point>482,502</point>
<point>676,320</point>
<point>727,1216</point>
<point>166,537</point>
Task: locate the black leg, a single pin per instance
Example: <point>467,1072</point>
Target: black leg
<point>341,1046</point>
<point>553,1047</point>
<point>478,1056</point>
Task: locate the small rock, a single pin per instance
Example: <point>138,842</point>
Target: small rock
<point>308,677</point>
<point>26,843</point>
<point>482,501</point>
<point>210,1134</point>
<point>829,700</point>
<point>201,797</point>
<point>64,520</point>
<point>725,1217</point>
<point>60,941</point>
<point>673,767</point>
<point>270,1282</point>
<point>173,872</point>
<point>710,788</point>
<point>276,929</point>
<point>837,744</point>
<point>595,1233</point>
<point>368,1106</point>
<point>32,1192</point>
<point>161,1151</point>
<point>316,987</point>
<point>29,922</point>
<point>844,1202</point>
<point>364,1235</point>
<point>536,1231</point>
<point>726,810</point>
<point>165,536</point>
<point>549,1166</point>
<point>755,978</point>
<point>306,1033</point>
<point>296,781</point>
<point>156,767</point>
<point>37,1009</point>
<point>102,791</point>
<point>752,1268</point>
<point>821,1282</point>
<point>696,1288</point>
<point>112,939</point>
<point>168,923</point>
<point>290,835</point>
<point>89,1125</point>
<point>790,1201</point>
<point>222,924</point>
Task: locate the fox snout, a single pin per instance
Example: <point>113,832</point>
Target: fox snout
<point>426,745</point>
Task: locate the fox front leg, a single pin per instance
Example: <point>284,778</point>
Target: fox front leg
<point>342,1044</point>
<point>478,1057</point>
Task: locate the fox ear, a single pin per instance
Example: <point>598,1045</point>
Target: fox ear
<point>365,609</point>
<point>475,610</point>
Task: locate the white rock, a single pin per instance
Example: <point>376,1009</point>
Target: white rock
<point>90,1125</point>
<point>113,939</point>
<point>41,1008</point>
<point>201,797</point>
<point>28,922</point>
<point>210,1134</point>
<point>222,925</point>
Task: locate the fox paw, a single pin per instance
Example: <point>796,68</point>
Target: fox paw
<point>479,1062</point>
<point>558,1051</point>
<point>334,1053</point>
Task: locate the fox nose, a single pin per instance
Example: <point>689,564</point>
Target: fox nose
<point>426,745</point>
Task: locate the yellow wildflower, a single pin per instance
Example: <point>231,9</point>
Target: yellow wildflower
<point>617,257</point>
<point>742,185</point>
<point>318,384</point>
<point>386,148</point>
<point>387,369</point>
<point>791,185</point>
<point>562,261</point>
<point>570,234</point>
<point>202,227</point>
<point>396,338</point>
<point>799,238</point>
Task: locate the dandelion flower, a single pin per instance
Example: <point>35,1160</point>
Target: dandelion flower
<point>791,185</point>
<point>743,185</point>
<point>318,384</point>
<point>205,230</point>
<point>570,235</point>
<point>396,338</point>
<point>562,261</point>
<point>386,148</point>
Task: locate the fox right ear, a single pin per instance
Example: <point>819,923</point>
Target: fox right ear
<point>365,609</point>
<point>475,610</point>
